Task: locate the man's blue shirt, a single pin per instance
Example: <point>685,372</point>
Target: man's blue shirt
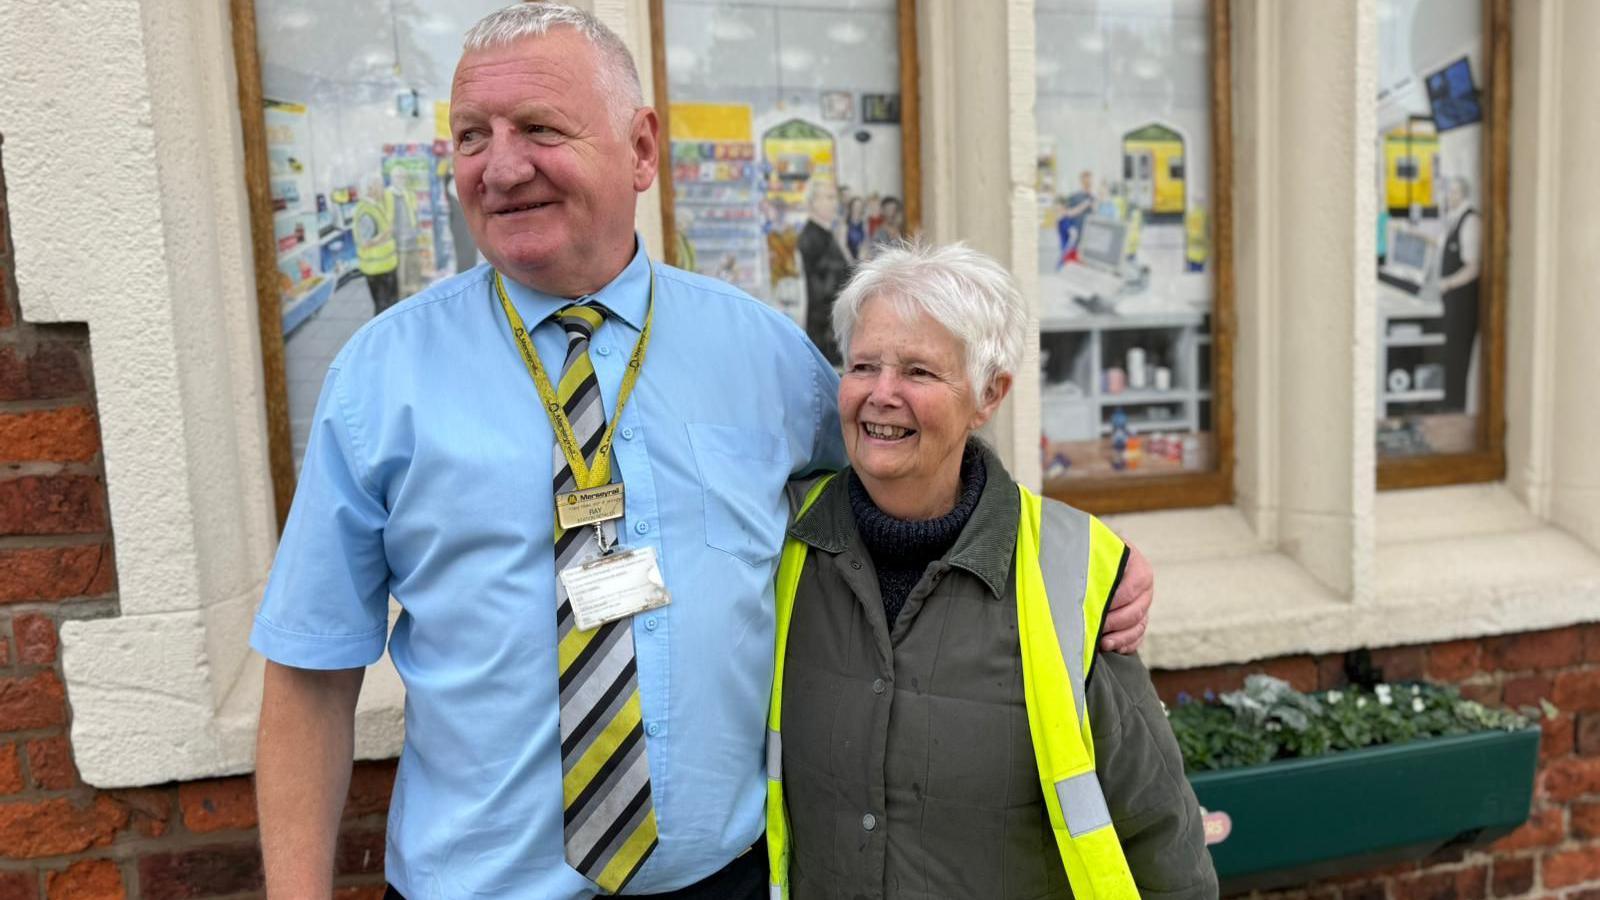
<point>428,477</point>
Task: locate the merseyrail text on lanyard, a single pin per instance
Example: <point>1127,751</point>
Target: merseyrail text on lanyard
<point>596,499</point>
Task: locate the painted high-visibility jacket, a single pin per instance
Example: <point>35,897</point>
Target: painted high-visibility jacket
<point>377,251</point>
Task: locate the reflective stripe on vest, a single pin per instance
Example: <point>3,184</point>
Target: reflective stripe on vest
<point>1079,560</point>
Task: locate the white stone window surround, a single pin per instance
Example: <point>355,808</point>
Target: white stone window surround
<point>1303,566</point>
<point>160,271</point>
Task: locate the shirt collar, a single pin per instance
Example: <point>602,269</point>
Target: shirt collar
<point>626,296</point>
<point>986,545</point>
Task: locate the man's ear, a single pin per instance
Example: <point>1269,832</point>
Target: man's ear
<point>644,135</point>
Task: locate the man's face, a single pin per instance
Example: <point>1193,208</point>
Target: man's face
<point>824,202</point>
<point>547,182</point>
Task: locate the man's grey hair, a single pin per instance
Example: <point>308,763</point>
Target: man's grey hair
<point>960,288</point>
<point>619,76</point>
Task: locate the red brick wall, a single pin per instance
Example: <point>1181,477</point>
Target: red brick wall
<point>1557,853</point>
<point>60,838</point>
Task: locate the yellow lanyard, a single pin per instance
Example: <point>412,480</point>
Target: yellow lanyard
<point>583,474</point>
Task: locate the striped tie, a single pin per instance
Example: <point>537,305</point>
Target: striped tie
<point>610,821</point>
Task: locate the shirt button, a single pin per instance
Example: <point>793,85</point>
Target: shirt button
<point>603,350</point>
<point>869,822</point>
<point>877,685</point>
<point>627,434</point>
<point>650,624</point>
<point>653,729</point>
<point>642,527</point>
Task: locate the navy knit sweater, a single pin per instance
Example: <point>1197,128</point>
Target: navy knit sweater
<point>902,548</point>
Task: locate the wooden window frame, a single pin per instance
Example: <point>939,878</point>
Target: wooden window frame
<point>269,316</point>
<point>1135,493</point>
<point>910,121</point>
<point>1488,461</point>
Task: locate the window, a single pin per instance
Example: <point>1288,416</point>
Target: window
<point>1441,188</point>
<point>361,207</point>
<point>1134,252</point>
<point>793,151</point>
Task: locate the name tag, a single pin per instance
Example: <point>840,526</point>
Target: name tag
<point>575,509</point>
<point>611,587</point>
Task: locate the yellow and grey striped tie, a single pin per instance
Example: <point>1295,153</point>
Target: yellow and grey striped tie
<point>609,817</point>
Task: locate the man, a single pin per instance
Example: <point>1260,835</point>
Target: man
<point>826,266</point>
<point>1458,287</point>
<point>377,250</point>
<point>1071,211</point>
<point>542,759</point>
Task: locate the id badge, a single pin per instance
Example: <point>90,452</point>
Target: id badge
<point>575,509</point>
<point>608,588</point>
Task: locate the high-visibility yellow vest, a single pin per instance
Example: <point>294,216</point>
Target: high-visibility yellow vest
<point>1197,241</point>
<point>373,227</point>
<point>1067,564</point>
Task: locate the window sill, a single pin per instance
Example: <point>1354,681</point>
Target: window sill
<point>1450,563</point>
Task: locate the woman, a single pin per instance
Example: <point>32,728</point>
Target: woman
<point>855,226</point>
<point>891,230</point>
<point>936,627</point>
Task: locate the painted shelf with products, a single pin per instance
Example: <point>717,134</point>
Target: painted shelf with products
<point>1127,393</point>
<point>1126,358</point>
<point>717,191</point>
<point>337,243</point>
<point>302,279</point>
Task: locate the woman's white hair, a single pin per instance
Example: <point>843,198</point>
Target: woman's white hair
<point>960,288</point>
<point>619,76</point>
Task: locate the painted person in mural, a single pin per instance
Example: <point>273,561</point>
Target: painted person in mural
<point>1071,211</point>
<point>376,229</point>
<point>824,261</point>
<point>568,468</point>
<point>1458,287</point>
<point>891,229</point>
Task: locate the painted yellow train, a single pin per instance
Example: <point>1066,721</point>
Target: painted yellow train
<point>1411,167</point>
<point>1155,169</point>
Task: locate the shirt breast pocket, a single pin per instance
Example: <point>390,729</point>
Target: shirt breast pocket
<point>742,474</point>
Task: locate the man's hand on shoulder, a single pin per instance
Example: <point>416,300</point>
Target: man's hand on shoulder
<point>1129,614</point>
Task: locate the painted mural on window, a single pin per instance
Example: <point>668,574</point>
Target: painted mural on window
<point>358,153</point>
<point>1125,261</point>
<point>1429,180</point>
<point>785,145</point>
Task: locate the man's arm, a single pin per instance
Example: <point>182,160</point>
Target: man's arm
<point>1129,614</point>
<point>304,749</point>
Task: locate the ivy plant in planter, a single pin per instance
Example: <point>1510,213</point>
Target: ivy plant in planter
<point>1302,786</point>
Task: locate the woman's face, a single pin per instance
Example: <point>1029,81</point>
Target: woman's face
<point>891,211</point>
<point>905,403</point>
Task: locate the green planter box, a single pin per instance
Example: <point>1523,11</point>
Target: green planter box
<point>1294,821</point>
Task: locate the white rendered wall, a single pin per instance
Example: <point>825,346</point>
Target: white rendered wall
<point>1574,457</point>
<point>128,213</point>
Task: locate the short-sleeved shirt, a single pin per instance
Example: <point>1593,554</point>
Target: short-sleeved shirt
<point>428,477</point>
